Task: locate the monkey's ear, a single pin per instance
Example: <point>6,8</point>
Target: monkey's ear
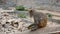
<point>31,8</point>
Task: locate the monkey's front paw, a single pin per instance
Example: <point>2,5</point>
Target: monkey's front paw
<point>33,27</point>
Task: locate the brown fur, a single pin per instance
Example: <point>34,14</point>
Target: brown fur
<point>37,18</point>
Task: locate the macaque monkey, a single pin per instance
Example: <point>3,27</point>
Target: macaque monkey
<point>40,19</point>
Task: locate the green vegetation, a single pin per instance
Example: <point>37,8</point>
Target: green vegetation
<point>50,16</point>
<point>21,15</point>
<point>20,8</point>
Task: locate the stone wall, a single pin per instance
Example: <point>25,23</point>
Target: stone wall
<point>46,4</point>
<point>2,2</point>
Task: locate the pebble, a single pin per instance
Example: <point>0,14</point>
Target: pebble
<point>6,27</point>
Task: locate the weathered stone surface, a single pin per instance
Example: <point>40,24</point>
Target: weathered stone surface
<point>9,24</point>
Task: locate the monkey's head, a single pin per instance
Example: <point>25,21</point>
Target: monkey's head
<point>31,12</point>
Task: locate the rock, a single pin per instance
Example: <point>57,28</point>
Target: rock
<point>10,24</point>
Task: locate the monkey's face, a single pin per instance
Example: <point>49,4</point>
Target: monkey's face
<point>31,13</point>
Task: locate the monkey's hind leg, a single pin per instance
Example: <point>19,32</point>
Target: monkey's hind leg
<point>43,23</point>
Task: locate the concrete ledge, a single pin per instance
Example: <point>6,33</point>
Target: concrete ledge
<point>55,32</point>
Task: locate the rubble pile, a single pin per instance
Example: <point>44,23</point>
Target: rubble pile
<point>9,23</point>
